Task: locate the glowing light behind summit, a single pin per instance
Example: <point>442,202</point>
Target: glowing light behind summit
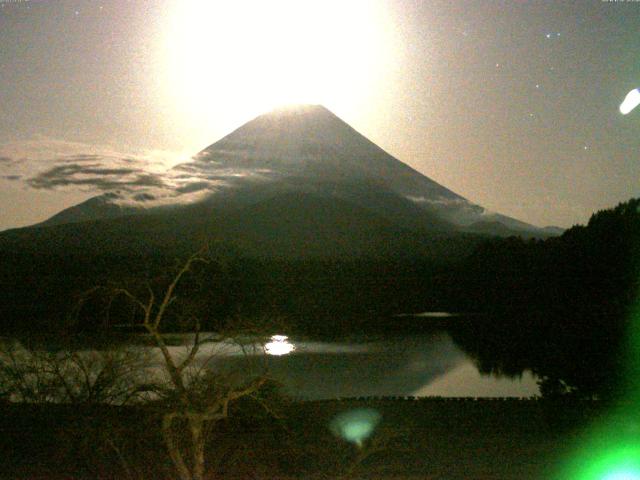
<point>470,94</point>
<point>239,59</point>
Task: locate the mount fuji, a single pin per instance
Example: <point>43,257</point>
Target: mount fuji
<point>295,182</point>
<point>306,150</point>
<point>310,216</point>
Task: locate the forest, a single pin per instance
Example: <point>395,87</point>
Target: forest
<point>561,306</point>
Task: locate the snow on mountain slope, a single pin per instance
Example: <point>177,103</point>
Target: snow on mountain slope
<point>305,148</point>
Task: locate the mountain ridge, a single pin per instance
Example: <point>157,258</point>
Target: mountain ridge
<point>295,147</point>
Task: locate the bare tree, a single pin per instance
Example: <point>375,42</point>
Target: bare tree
<point>196,393</point>
<point>39,376</point>
<point>381,442</point>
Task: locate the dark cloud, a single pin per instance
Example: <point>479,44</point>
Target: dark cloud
<point>108,171</point>
<point>81,158</point>
<point>194,187</point>
<point>189,168</point>
<point>137,179</point>
<point>144,197</point>
<point>92,175</point>
<point>147,180</point>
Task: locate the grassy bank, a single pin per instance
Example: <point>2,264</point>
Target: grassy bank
<point>423,438</point>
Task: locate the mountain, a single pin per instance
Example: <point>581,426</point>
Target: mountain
<point>308,218</point>
<point>304,149</point>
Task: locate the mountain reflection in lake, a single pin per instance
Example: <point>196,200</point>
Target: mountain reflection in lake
<point>425,364</point>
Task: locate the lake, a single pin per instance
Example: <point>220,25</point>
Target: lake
<point>401,365</point>
<point>407,365</point>
<point>424,364</point>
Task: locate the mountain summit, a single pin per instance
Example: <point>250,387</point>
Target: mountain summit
<point>303,149</point>
<point>310,142</point>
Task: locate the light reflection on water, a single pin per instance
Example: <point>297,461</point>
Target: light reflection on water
<point>427,364</point>
<point>411,365</point>
<point>279,345</point>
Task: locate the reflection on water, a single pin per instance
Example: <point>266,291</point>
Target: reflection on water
<point>279,345</point>
<point>466,381</point>
<point>412,365</point>
<point>426,364</point>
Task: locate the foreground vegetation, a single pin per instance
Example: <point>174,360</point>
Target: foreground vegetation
<point>566,307</point>
<point>427,438</point>
<point>561,307</point>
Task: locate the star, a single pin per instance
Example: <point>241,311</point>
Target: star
<point>537,85</point>
<point>548,35</point>
<point>586,147</point>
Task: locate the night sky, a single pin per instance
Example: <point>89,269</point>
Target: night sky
<point>513,105</point>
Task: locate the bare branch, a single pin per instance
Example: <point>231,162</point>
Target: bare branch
<point>152,299</point>
<point>196,395</point>
<point>267,407</point>
<point>174,450</point>
<point>194,349</point>
<point>168,296</point>
<point>132,297</point>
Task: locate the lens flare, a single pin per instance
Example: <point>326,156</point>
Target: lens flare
<point>356,426</point>
<point>610,448</point>
<point>605,457</point>
<point>631,101</point>
<point>622,475</point>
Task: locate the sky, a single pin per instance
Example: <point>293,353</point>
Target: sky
<point>512,104</point>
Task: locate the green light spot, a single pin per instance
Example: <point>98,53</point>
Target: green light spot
<point>355,425</point>
<point>613,463</point>
<point>622,475</point>
<point>610,448</point>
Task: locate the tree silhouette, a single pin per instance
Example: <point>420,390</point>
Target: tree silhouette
<point>194,396</point>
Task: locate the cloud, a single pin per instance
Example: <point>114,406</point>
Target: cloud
<point>42,163</point>
<point>193,187</point>
<point>440,201</point>
<point>144,197</point>
<point>144,178</point>
<point>93,176</point>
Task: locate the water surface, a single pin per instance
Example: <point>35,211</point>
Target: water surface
<point>408,365</point>
<point>424,364</point>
